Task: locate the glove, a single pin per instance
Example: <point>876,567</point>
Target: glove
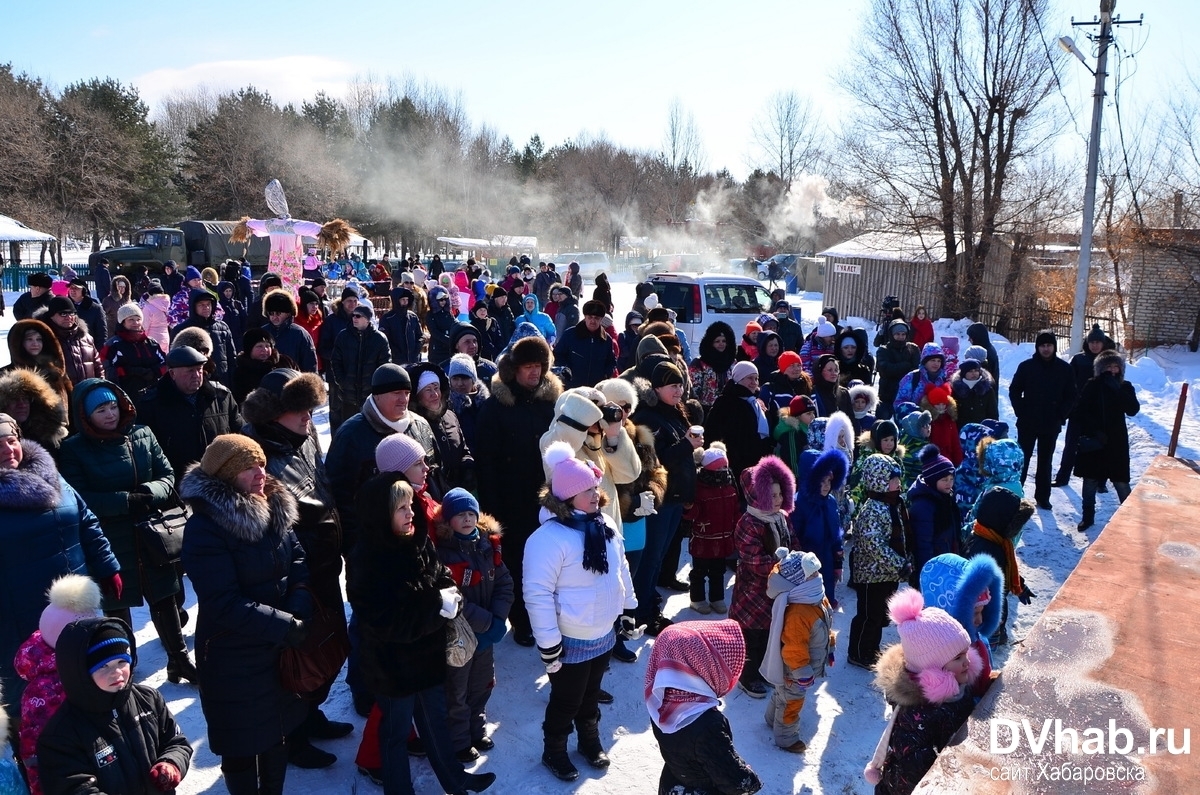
<point>139,502</point>
<point>166,776</point>
<point>646,506</point>
<point>1026,595</point>
<point>550,657</point>
<point>630,630</point>
<point>112,587</point>
<point>451,599</point>
<point>297,632</point>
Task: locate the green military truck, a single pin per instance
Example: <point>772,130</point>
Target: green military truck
<point>200,243</point>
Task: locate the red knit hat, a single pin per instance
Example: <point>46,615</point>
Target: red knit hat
<point>937,395</point>
<point>787,359</point>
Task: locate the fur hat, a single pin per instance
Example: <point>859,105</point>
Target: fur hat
<point>931,638</point>
<point>867,393</point>
<point>568,475</point>
<point>279,301</point>
<point>280,391</point>
<point>72,597</point>
<point>742,370</point>
<point>462,364</point>
<point>715,457</point>
<point>594,308</point>
<point>796,567</point>
<point>192,337</point>
<point>390,378</point>
<point>127,311</point>
<point>230,454</point>
<point>458,500</point>
<point>1103,359</point>
<point>787,359</point>
<point>934,465</point>
<point>531,350</point>
<point>398,452</point>
<point>619,391</point>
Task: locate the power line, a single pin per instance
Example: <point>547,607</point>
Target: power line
<point>1050,58</point>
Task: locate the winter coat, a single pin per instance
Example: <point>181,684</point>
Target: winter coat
<point>669,426</point>
<point>968,480</point>
<point>542,284</point>
<point>539,319</point>
<point>778,384</point>
<point>47,531</point>
<point>513,420</point>
<point>156,319</point>
<point>49,364</point>
<point>224,354</point>
<point>245,564</point>
<point>977,333</point>
<point>860,366</point>
<point>816,523</point>
<point>915,384</point>
<point>466,408</point>
<point>733,421</point>
<point>105,469</point>
<point>452,464</point>
<point>133,361</point>
<point>26,306</point>
<point>700,759</point>
<point>563,598</point>
<point>1042,392</point>
<point>249,372</point>
<point>172,282</point>
<point>589,356</point>
<point>505,322</point>
<point>830,398</point>
<point>37,664</point>
<point>567,316</point>
<point>332,325</point>
<point>181,305</point>
<point>766,363</point>
<point>394,586</point>
<point>403,331</point>
<point>653,477</point>
<point>921,730</point>
<point>234,314</point>
<point>714,514</point>
<point>81,355</point>
<point>480,574</point>
<point>184,428</point>
<point>91,313</point>
<point>313,324</point>
<point>293,341</point>
<point>953,583</point>
<point>874,559</point>
<point>922,330</point>
<point>756,540</point>
<point>1001,462</point>
<point>440,324</point>
<point>791,332</point>
<point>47,421</point>
<point>1103,405</point>
<point>975,403</point>
<point>812,349</point>
<point>101,742</point>
<point>893,361</point>
<point>791,439</point>
<point>112,303</point>
<point>935,522</point>
<point>801,639</point>
<point>355,358</point>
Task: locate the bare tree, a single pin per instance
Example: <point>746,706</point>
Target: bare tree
<point>682,162</point>
<point>786,136</point>
<point>182,110</point>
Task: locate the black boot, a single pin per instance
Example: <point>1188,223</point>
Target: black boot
<point>180,666</point>
<point>589,741</point>
<point>318,726</point>
<point>478,782</point>
<point>303,754</point>
<point>555,757</point>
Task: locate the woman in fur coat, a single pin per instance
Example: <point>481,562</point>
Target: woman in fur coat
<point>247,566</point>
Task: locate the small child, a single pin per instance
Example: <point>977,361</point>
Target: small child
<point>914,434</point>
<point>970,591</point>
<point>968,480</point>
<point>1001,464</point>
<point>468,543</point>
<point>926,676</point>
<point>882,438</point>
<point>800,645</point>
<point>713,513</point>
<point>865,399</point>
<point>931,510</point>
<point>816,521</point>
<point>791,430</point>
<point>770,493</point>
<point>110,735</point>
<point>692,666</point>
<point>11,782</point>
<point>72,597</point>
<point>943,428</point>
<point>999,519</point>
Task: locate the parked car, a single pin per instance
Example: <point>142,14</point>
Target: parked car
<point>700,299</point>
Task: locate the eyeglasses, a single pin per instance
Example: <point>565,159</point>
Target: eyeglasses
<point>66,314</point>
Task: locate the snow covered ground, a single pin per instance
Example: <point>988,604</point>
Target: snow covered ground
<point>842,723</point>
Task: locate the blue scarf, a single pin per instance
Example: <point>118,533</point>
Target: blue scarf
<point>595,534</point>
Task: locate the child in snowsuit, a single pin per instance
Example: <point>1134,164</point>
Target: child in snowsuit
<point>1001,464</point>
<point>692,666</point>
<point>770,492</point>
<point>791,430</point>
<point>713,514</point>
<point>816,521</point>
<point>468,543</point>
<point>11,782</point>
<point>72,597</point>
<point>943,429</point>
<point>927,676</point>
<point>800,645</point>
<point>143,749</point>
<point>999,519</point>
<point>968,480</point>
<point>931,510</point>
<point>970,591</point>
<point>914,434</point>
<point>883,438</point>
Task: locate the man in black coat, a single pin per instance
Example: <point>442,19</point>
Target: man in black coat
<point>402,328</point>
<point>586,349</point>
<point>186,410</point>
<point>88,310</point>
<point>291,339</point>
<point>1081,365</point>
<point>35,298</point>
<point>893,361</point>
<point>202,307</point>
<point>511,423</point>
<point>1042,394</point>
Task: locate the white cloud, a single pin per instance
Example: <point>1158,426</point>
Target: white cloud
<point>291,78</point>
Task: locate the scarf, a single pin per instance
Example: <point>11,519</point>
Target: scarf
<point>595,534</point>
<point>808,592</point>
<point>399,426</point>
<point>776,522</point>
<point>691,666</point>
<point>1012,572</point>
<point>759,416</point>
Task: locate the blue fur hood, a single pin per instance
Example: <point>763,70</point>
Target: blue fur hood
<point>953,583</point>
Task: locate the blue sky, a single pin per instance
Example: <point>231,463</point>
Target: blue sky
<point>527,67</point>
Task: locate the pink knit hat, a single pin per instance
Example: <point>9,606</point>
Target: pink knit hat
<point>72,597</point>
<point>931,637</point>
<point>568,475</point>
<point>398,452</point>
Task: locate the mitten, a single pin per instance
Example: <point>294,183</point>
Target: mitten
<point>1026,596</point>
<point>139,502</point>
<point>296,633</point>
<point>550,657</point>
<point>451,599</point>
<point>166,776</point>
<point>112,587</point>
<point>630,630</point>
<point>646,504</point>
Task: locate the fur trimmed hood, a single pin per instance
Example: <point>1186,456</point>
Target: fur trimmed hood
<point>244,517</point>
<point>46,420</point>
<point>830,462</point>
<point>839,433</point>
<point>52,351</point>
<point>953,583</point>
<point>444,536</point>
<point>265,405</point>
<point>561,509</point>
<point>1102,360</point>
<point>34,485</point>
<point>901,687</point>
<point>763,475</point>
<point>868,392</point>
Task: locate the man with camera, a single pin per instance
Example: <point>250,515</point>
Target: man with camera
<point>587,349</point>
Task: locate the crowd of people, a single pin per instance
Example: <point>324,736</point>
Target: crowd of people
<point>504,460</point>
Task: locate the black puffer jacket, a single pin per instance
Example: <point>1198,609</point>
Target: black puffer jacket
<point>134,725</point>
<point>224,354</point>
<point>395,588</point>
<point>893,361</point>
<point>700,759</point>
<point>184,428</point>
<point>1042,392</point>
<point>669,426</point>
<point>1103,405</point>
<point>355,357</point>
<point>293,340</point>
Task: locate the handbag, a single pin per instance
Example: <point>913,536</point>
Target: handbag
<point>320,657</point>
<point>161,533</point>
<point>460,642</point>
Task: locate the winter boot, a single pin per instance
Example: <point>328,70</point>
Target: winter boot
<point>555,757</point>
<point>589,741</point>
<point>303,754</point>
<point>180,666</point>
